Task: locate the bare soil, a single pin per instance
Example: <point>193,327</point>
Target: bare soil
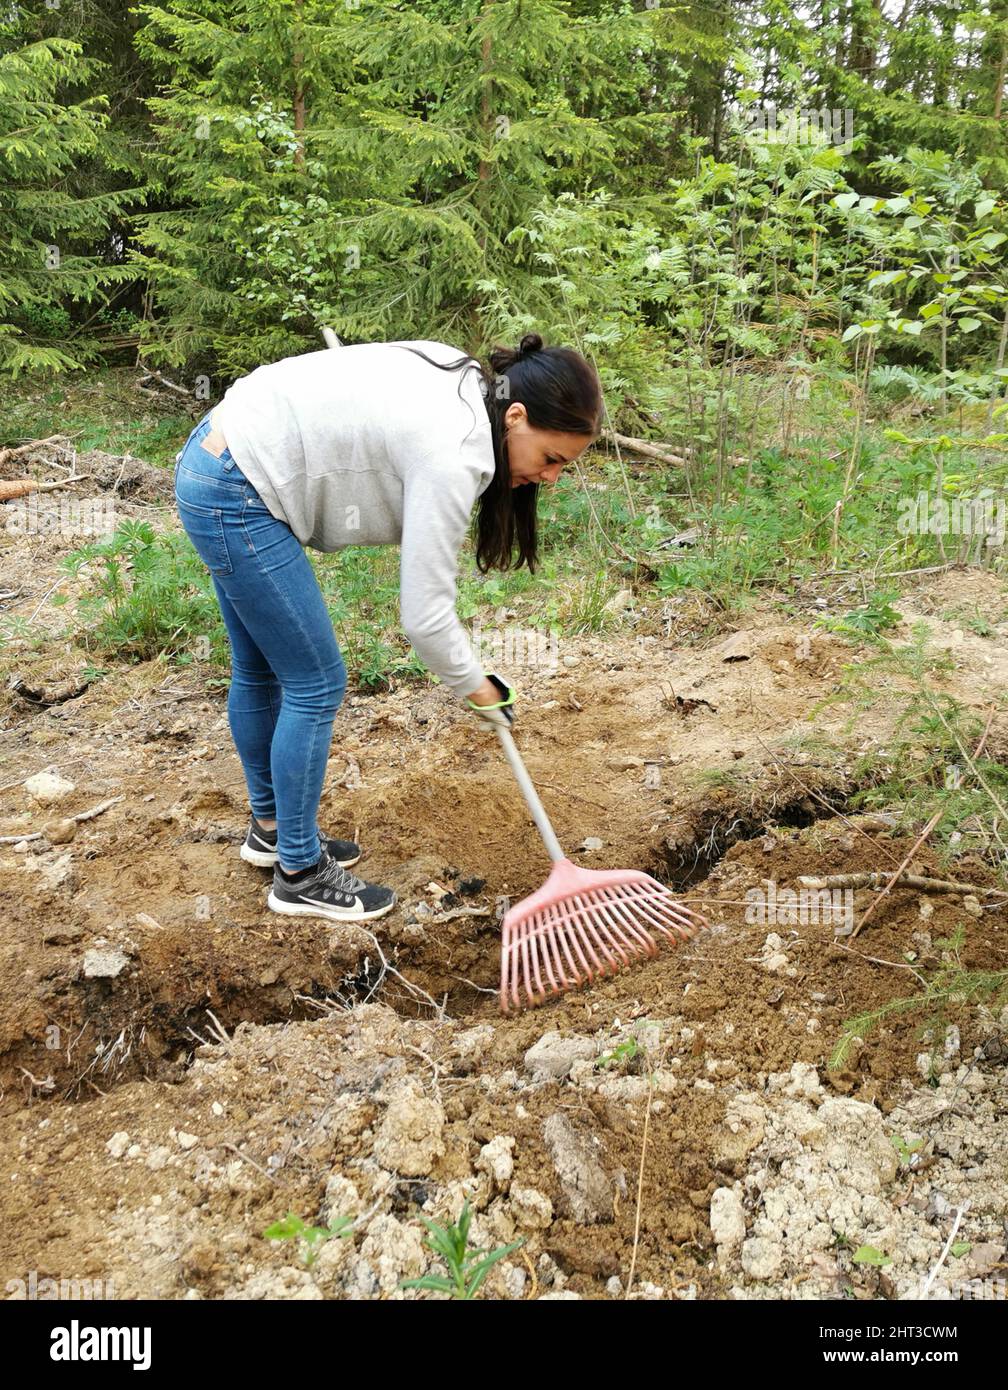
<point>228,1066</point>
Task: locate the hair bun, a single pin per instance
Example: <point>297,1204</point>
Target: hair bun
<point>531,342</point>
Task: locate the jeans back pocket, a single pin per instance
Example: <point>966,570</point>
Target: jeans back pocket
<point>205,528</point>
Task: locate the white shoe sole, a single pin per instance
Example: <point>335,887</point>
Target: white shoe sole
<point>264,859</point>
<point>332,914</point>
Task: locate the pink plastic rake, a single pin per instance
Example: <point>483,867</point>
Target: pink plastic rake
<point>582,924</point>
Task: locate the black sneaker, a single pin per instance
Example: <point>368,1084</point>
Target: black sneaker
<point>329,891</point>
<point>260,848</point>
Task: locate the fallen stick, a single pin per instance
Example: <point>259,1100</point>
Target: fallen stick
<point>641,446</point>
<point>168,385</point>
<point>894,880</point>
<point>928,828</point>
<point>81,815</point>
<point>662,452</point>
<point>20,487</point>
<point>12,453</point>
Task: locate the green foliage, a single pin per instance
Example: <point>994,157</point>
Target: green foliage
<point>147,593</point>
<point>467,1266</point>
<point>623,1052</point>
<point>870,1255</point>
<point>867,620</point>
<point>949,988</point>
<point>50,234</point>
<point>293,1228</point>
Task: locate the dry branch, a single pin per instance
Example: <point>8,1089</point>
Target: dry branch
<point>17,450</point>
<point>662,452</point>
<point>81,815</point>
<point>883,880</point>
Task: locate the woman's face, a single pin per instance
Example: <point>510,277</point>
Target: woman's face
<point>537,456</point>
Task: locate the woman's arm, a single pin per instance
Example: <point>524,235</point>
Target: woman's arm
<point>438,499</point>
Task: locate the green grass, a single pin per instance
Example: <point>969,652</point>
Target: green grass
<point>768,533</point>
<point>99,411</point>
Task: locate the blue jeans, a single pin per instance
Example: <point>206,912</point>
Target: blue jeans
<point>287,674</point>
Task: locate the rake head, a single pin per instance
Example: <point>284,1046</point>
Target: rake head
<point>584,924</point>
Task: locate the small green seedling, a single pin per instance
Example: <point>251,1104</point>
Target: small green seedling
<point>906,1151</point>
<point>293,1228</point>
<point>868,1255</point>
<point>465,1269</point>
<point>622,1052</point>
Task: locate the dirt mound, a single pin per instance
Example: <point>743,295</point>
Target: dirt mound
<point>229,1066</point>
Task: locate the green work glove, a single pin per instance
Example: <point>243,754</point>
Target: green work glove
<point>500,715</point>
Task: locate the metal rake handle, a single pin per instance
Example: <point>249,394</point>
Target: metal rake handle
<point>527,790</point>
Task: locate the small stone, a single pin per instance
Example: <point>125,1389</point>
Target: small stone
<point>727,1221</point>
<point>48,787</point>
<point>394,1251</point>
<point>118,1144</point>
<point>738,647</point>
<point>554,1055</point>
<point>972,906</point>
<point>60,832</point>
<point>761,1259</point>
<point>530,1208</point>
<point>472,1044</point>
<point>341,1198</point>
<point>804,1082</point>
<point>158,1158</point>
<point>105,963</point>
<point>586,1185</point>
<point>495,1159</point>
<point>187,1141</point>
<point>408,1141</point>
<point>622,599</point>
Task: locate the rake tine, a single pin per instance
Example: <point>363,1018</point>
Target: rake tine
<point>542,939</point>
<point>561,941</point>
<point>528,931</point>
<point>507,960</point>
<point>546,949</point>
<point>685,915</point>
<point>637,942</point>
<point>584,923</point>
<point>535,938</point>
<point>623,908</point>
<point>570,932</point>
<point>688,916</point>
<point>644,943</point>
<point>654,911</point>
<point>536,935</point>
<point>584,919</point>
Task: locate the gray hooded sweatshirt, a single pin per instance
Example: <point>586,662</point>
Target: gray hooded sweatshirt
<point>371,445</point>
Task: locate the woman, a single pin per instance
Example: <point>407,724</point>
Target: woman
<point>375,444</point>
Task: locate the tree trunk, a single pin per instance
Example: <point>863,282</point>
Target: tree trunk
<point>299,91</point>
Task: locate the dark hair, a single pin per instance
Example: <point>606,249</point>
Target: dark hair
<point>560,391</point>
